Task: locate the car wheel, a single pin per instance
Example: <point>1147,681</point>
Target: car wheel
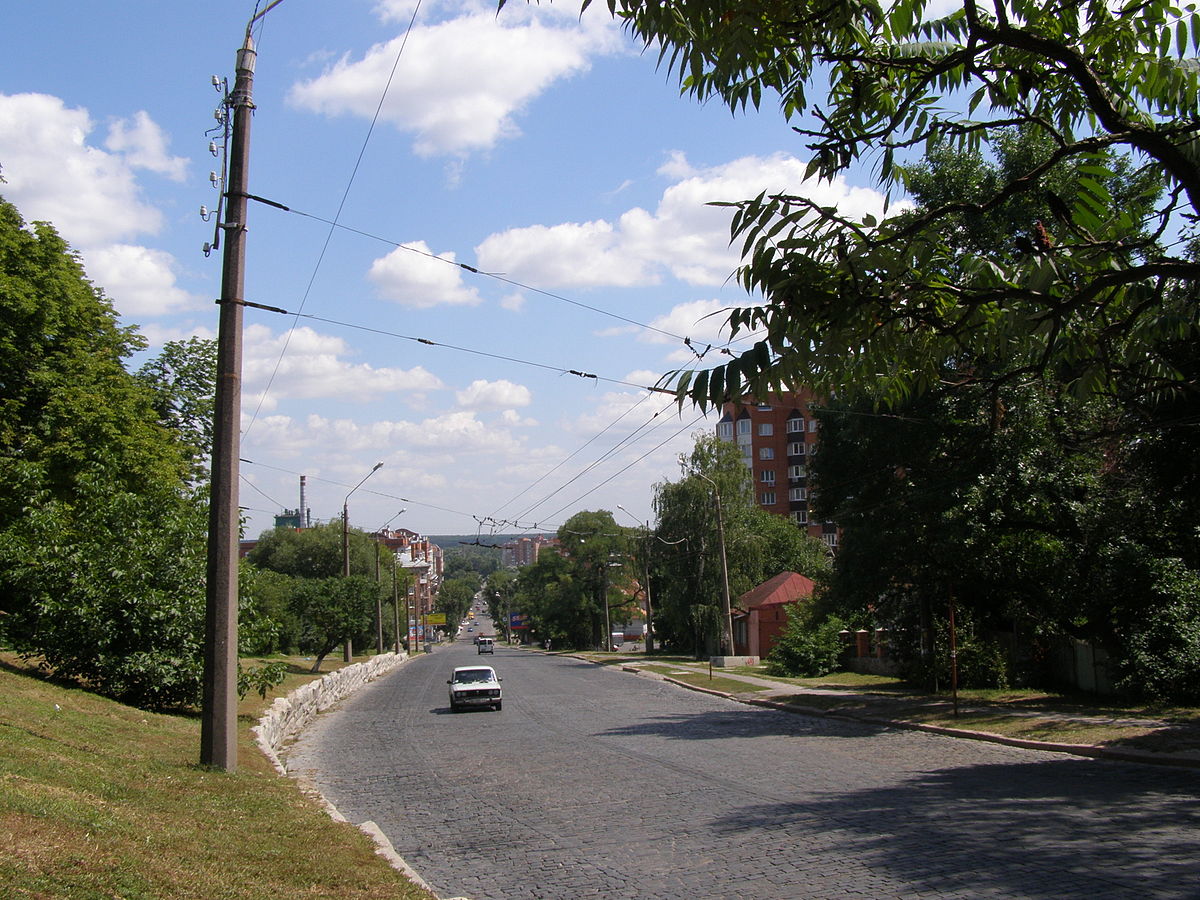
<point>498,706</point>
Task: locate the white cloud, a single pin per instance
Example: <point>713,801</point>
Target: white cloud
<point>410,276</point>
<point>139,281</point>
<point>461,81</point>
<point>481,395</point>
<point>701,320</point>
<point>144,146</point>
<point>53,174</point>
<point>513,302</point>
<point>516,420</point>
<point>684,236</point>
<point>314,366</point>
<point>578,255</point>
<point>91,195</point>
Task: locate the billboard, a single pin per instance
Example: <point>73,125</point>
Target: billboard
<point>518,620</point>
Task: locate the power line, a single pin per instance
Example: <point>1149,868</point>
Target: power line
<point>432,343</point>
<point>333,224</point>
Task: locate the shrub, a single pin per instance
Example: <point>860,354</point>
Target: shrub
<point>807,647</point>
<point>1160,654</point>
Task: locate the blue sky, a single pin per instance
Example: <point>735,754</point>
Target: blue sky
<point>539,146</point>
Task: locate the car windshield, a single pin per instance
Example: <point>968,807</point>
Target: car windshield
<point>472,676</point>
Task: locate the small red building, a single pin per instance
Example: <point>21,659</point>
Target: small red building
<point>760,614</point>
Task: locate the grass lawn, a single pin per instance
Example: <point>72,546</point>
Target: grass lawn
<point>100,800</point>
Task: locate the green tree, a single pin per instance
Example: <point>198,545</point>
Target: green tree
<point>559,607</point>
<point>500,592</point>
<point>860,304</point>
<point>330,610</point>
<point>687,575</point>
<point>596,549</point>
<point>182,379</point>
<point>455,596</point>
<point>101,538</point>
<point>312,557</point>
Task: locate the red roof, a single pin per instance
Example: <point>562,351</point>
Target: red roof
<point>786,587</point>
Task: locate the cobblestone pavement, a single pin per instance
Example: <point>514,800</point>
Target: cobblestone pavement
<point>597,783</point>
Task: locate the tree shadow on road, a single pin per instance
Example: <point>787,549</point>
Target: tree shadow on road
<point>1038,829</point>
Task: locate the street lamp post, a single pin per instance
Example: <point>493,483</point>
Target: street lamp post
<point>379,599</point>
<point>646,566</point>
<point>726,610</point>
<point>348,647</point>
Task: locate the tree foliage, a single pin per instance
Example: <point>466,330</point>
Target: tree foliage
<point>686,575</point>
<point>325,608</point>
<point>856,303</point>
<point>182,379</point>
<point>1029,507</point>
<point>101,537</point>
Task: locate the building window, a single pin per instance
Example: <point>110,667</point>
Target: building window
<point>798,493</point>
<point>795,472</point>
<point>767,498</point>
<point>800,517</point>
<point>830,539</point>
<point>764,407</point>
<point>765,429</point>
<point>812,426</point>
<point>743,426</point>
<point>812,449</point>
<point>766,452</point>
<point>796,448</point>
<point>767,476</point>
<point>725,430</point>
<point>795,425</point>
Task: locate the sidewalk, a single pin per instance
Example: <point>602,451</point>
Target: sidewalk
<point>1127,738</point>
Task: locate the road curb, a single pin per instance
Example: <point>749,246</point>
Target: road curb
<point>1087,750</point>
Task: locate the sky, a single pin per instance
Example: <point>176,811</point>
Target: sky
<point>543,148</point>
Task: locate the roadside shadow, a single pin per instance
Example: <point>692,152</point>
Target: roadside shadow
<point>1038,829</point>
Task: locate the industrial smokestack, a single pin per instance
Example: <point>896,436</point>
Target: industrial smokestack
<point>304,517</point>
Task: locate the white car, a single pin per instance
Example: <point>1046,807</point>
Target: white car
<point>474,686</point>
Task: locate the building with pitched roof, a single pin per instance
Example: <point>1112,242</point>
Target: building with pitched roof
<point>760,614</point>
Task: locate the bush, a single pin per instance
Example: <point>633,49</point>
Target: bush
<point>806,648</point>
<point>1160,654</point>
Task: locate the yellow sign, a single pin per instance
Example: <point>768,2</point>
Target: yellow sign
<point>435,619</point>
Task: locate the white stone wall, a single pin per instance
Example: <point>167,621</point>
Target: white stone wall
<point>288,715</point>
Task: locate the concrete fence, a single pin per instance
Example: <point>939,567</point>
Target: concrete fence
<point>288,715</point>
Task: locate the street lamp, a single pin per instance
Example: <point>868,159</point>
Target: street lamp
<point>726,611</point>
<point>348,647</point>
<point>378,599</point>
<point>646,562</point>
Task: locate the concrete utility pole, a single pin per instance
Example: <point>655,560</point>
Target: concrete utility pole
<point>218,722</point>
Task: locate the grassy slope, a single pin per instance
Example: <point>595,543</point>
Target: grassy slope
<point>103,800</point>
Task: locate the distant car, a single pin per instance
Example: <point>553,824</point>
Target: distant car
<point>474,686</point>
<point>485,645</point>
<point>471,628</point>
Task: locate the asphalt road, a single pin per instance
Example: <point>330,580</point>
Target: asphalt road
<point>597,783</point>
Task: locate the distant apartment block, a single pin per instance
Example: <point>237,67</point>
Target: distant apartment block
<point>777,438</point>
<point>524,551</point>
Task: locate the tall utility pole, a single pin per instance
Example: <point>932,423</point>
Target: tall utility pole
<point>218,723</point>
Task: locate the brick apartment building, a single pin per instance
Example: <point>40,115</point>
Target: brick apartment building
<point>524,550</point>
<point>777,439</point>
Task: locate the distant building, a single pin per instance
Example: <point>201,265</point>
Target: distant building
<point>777,438</point>
<point>524,551</point>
